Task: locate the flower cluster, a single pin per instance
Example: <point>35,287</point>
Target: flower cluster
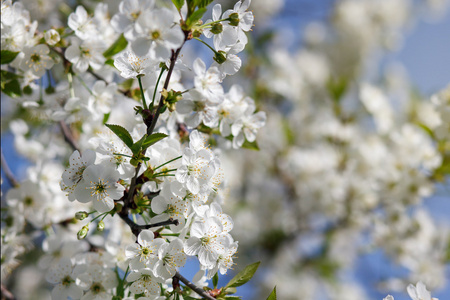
<point>132,120</point>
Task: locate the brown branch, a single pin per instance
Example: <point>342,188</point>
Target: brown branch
<point>8,174</point>
<point>193,287</point>
<point>68,137</point>
<point>136,229</point>
<point>7,295</point>
<point>173,59</point>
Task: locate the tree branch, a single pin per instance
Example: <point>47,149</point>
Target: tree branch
<point>136,229</point>
<point>193,287</point>
<point>8,174</point>
<point>68,137</point>
<point>173,59</point>
<point>6,294</point>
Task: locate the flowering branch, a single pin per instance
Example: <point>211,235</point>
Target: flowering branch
<point>193,287</point>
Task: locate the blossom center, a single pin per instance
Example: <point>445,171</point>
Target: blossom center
<point>205,240</point>
<point>66,281</point>
<point>36,58</point>
<point>97,288</point>
<point>155,35</point>
<point>135,15</point>
<point>168,260</point>
<point>28,201</point>
<point>99,189</point>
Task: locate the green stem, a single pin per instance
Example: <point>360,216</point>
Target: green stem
<point>156,87</point>
<point>213,22</point>
<point>167,162</point>
<point>67,34</point>
<point>169,234</point>
<point>164,172</point>
<point>84,84</point>
<point>212,49</point>
<point>120,154</point>
<point>142,93</point>
<point>99,216</point>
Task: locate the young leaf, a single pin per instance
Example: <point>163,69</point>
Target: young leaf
<point>196,15</point>
<point>110,62</point>
<point>136,148</point>
<point>243,276</point>
<point>273,295</point>
<point>152,139</point>
<point>119,45</point>
<point>12,88</point>
<point>6,76</point>
<point>215,280</point>
<point>106,117</point>
<point>8,56</point>
<point>178,4</point>
<point>204,3</point>
<point>229,290</point>
<point>250,145</point>
<point>122,133</point>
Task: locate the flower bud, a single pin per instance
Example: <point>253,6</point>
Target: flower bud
<point>234,19</point>
<point>83,232</point>
<point>27,90</point>
<point>217,28</point>
<point>81,215</point>
<point>118,207</point>
<point>220,57</point>
<point>100,226</point>
<point>52,37</point>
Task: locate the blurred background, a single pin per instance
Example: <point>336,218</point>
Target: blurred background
<point>345,198</point>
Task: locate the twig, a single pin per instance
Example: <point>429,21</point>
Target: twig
<point>193,287</point>
<point>68,137</point>
<point>173,59</point>
<point>8,174</point>
<point>136,229</point>
<point>6,294</point>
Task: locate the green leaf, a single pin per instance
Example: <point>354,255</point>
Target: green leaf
<point>273,295</point>
<point>247,145</point>
<point>196,15</point>
<point>252,146</point>
<point>215,280</point>
<point>127,84</point>
<point>137,147</point>
<point>110,62</point>
<point>337,87</point>
<point>12,88</point>
<point>232,298</point>
<point>229,290</point>
<point>119,45</point>
<point>204,3</point>
<point>120,290</point>
<point>178,4</point>
<point>153,139</point>
<point>6,76</point>
<point>8,56</point>
<point>243,276</point>
<point>122,133</point>
<point>106,118</point>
